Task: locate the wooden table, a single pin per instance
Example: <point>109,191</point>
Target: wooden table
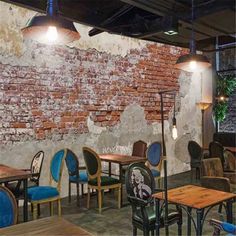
<point>194,197</point>
<point>8,174</point>
<point>121,160</point>
<point>47,226</point>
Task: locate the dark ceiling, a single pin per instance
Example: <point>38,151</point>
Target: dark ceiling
<point>148,19</point>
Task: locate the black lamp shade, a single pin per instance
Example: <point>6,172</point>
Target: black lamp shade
<point>37,28</point>
<point>192,63</point>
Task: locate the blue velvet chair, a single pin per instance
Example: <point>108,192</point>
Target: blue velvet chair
<point>77,174</point>
<point>154,157</point>
<point>222,226</point>
<point>49,194</point>
<point>8,208</point>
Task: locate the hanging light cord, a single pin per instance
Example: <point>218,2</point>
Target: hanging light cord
<point>52,8</point>
<point>192,41</point>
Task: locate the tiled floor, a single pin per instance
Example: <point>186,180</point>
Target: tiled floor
<point>118,222</point>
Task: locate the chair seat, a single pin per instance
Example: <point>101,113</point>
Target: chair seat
<point>173,216</point>
<point>83,177</point>
<point>229,228</point>
<point>20,191</point>
<point>155,173</point>
<point>105,180</point>
<point>42,192</point>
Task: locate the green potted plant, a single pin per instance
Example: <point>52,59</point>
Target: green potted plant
<point>225,85</point>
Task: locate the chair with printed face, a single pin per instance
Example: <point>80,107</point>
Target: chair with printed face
<point>77,174</point>
<point>154,158</point>
<point>8,207</point>
<point>49,194</point>
<point>140,185</point>
<point>35,169</point>
<point>95,178</point>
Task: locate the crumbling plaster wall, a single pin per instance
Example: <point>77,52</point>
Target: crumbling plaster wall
<point>133,120</point>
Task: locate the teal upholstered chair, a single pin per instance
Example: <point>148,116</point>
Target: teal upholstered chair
<point>96,180</point>
<point>44,194</point>
<point>77,174</point>
<point>154,157</point>
<point>222,226</point>
<point>8,208</point>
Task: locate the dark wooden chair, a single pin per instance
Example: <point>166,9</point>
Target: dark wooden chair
<point>139,148</point>
<point>140,185</point>
<point>35,169</point>
<point>195,152</point>
<point>77,174</point>
<point>230,161</point>
<point>216,149</point>
<point>95,178</point>
<point>8,207</point>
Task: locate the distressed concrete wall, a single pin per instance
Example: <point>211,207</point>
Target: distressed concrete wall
<point>99,92</point>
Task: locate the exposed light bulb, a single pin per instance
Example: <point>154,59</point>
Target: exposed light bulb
<point>52,34</point>
<point>222,98</point>
<point>174,132</point>
<point>193,65</point>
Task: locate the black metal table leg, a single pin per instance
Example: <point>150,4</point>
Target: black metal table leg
<point>229,211</point>
<point>25,185</point>
<point>157,202</point>
<point>199,222</point>
<point>120,179</point>
<point>189,210</point>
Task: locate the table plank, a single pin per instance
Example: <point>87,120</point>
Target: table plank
<point>47,226</point>
<point>195,196</point>
<point>121,159</point>
<point>8,173</point>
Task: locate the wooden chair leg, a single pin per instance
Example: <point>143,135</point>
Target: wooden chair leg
<point>119,197</point>
<point>69,191</point>
<point>51,208</point>
<point>39,212</point>
<point>100,201</point>
<point>59,207</point>
<point>35,213</point>
<point>134,231</point>
<point>82,190</point>
<point>88,198</point>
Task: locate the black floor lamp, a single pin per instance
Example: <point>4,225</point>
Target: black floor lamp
<point>161,93</point>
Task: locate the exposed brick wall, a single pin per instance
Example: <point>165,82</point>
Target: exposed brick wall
<point>38,102</point>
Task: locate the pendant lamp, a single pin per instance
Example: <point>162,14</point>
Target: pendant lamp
<point>192,62</point>
<point>51,28</point>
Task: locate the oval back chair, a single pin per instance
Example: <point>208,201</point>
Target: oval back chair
<point>8,208</point>
<point>195,152</point>
<point>154,157</point>
<point>96,180</point>
<point>76,176</point>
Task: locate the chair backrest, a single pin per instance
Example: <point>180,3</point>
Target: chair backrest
<point>56,167</point>
<point>92,162</point>
<point>72,163</point>
<point>212,167</point>
<point>195,151</point>
<point>139,148</point>
<point>139,182</point>
<point>36,165</point>
<point>230,161</point>
<point>8,208</point>
<point>216,149</point>
<point>154,153</point>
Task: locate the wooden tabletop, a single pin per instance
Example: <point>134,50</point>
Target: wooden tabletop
<point>232,149</point>
<point>8,173</point>
<point>47,226</point>
<point>121,159</point>
<point>195,196</point>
